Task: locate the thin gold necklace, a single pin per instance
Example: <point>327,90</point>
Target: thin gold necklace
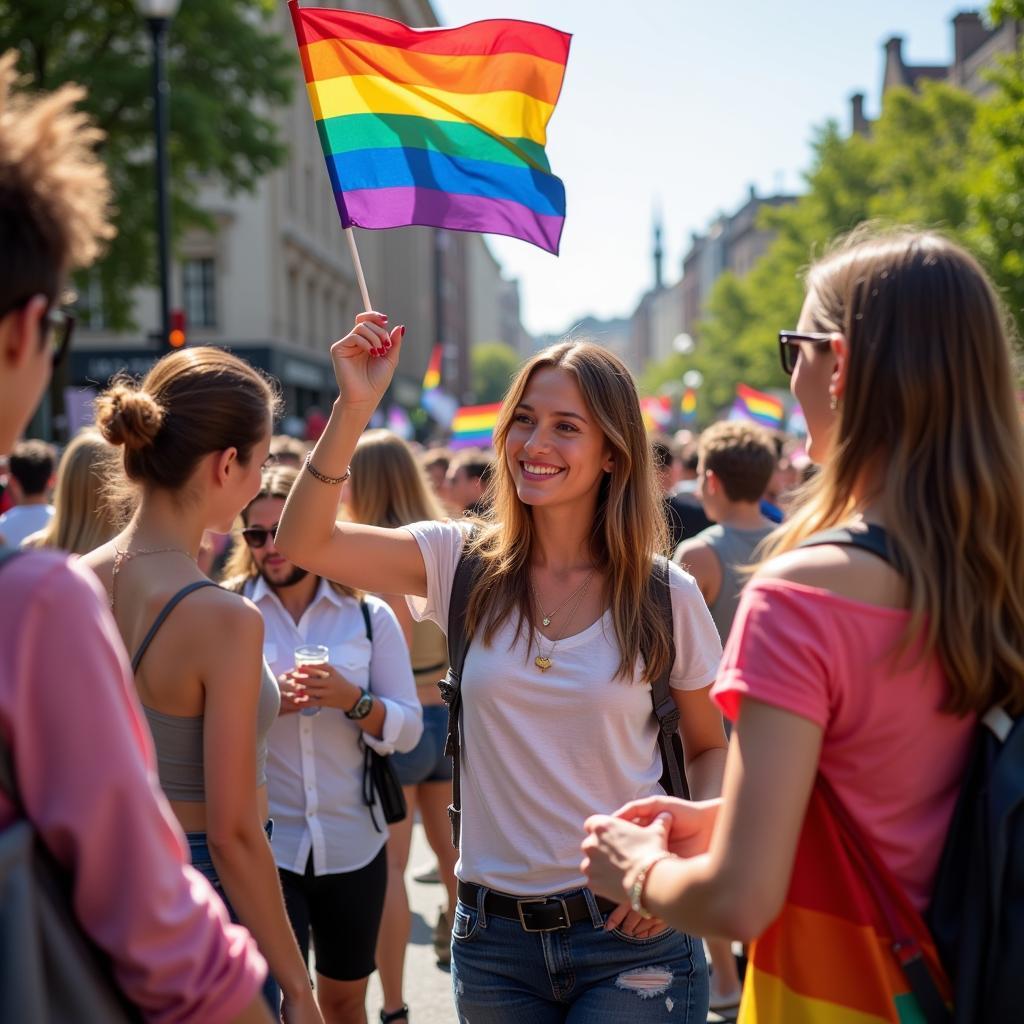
<point>546,619</point>
<point>544,662</point>
<point>120,557</point>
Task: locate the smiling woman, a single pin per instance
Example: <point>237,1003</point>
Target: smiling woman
<point>565,636</point>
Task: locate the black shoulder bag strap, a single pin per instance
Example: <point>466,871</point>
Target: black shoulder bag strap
<point>673,778</point>
<point>162,617</point>
<point>451,685</point>
<point>875,540</point>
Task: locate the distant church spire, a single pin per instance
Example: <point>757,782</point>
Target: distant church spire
<point>659,252</point>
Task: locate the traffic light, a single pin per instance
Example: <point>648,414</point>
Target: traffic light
<point>176,336</point>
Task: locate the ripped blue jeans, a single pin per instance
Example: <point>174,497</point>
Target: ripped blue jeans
<point>582,974</point>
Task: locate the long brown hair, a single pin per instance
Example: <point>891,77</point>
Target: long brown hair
<point>388,487</point>
<point>193,402</point>
<point>930,407</point>
<point>629,526</point>
<point>240,567</point>
<point>85,516</point>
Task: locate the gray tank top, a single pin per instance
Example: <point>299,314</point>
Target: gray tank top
<point>178,739</point>
<point>734,549</point>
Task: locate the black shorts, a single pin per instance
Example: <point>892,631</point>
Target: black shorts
<point>343,913</point>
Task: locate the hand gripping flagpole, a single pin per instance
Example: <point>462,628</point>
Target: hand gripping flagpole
<point>349,234</point>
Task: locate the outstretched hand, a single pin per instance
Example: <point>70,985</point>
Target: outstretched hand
<point>365,360</point>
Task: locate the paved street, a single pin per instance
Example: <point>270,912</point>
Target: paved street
<point>427,987</point>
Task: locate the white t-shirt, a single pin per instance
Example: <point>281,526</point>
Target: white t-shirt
<point>542,751</point>
<point>23,520</point>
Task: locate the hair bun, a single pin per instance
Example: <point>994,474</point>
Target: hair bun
<point>128,416</point>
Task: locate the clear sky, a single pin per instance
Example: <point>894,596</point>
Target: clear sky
<point>685,104</point>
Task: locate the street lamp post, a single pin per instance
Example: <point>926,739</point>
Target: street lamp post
<point>158,15</point>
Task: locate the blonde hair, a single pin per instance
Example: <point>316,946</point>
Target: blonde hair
<point>629,527</point>
<point>85,517</point>
<point>388,486</point>
<point>930,405</point>
<point>240,567</point>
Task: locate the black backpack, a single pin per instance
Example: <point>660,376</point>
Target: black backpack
<point>976,916</point>
<point>673,779</point>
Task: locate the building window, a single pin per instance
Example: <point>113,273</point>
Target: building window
<point>199,289</point>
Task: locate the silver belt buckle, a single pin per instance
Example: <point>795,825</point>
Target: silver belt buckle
<point>543,899</point>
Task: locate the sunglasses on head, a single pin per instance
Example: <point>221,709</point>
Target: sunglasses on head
<point>789,346</point>
<point>256,536</point>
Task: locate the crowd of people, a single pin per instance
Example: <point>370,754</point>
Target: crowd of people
<point>220,705</point>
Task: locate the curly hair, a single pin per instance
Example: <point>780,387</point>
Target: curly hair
<point>55,196</point>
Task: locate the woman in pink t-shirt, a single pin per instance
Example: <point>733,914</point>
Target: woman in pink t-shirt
<point>840,667</point>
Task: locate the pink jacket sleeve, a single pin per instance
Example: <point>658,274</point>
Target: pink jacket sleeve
<point>84,765</point>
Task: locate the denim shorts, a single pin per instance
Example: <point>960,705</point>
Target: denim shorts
<point>502,974</point>
<point>202,861</point>
<point>427,761</point>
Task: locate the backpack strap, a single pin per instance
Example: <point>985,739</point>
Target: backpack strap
<point>673,778</point>
<point>873,539</point>
<point>451,686</point>
<point>162,617</point>
<point>365,609</point>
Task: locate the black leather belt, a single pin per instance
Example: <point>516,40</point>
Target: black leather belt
<point>535,913</point>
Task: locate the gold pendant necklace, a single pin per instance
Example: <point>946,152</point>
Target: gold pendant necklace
<point>546,619</point>
<point>544,662</point>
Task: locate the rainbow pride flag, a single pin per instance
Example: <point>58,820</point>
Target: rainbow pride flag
<point>444,127</point>
<point>656,412</point>
<point>473,425</point>
<point>432,378</point>
<point>757,406</point>
<point>688,405</point>
<point>827,958</point>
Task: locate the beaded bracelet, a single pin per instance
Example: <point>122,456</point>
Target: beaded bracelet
<point>323,477</point>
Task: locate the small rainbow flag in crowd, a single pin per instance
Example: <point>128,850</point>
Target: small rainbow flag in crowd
<point>432,378</point>
<point>688,405</point>
<point>657,412</point>
<point>757,406</point>
<point>444,127</point>
<point>474,425</point>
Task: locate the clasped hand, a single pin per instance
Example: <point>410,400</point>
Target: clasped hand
<point>317,686</point>
<point>617,846</point>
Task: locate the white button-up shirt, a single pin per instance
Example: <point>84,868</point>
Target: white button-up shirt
<point>315,763</point>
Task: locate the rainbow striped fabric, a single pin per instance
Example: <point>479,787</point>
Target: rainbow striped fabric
<point>432,378</point>
<point>827,958</point>
<point>473,425</point>
<point>444,127</point>
<point>758,406</point>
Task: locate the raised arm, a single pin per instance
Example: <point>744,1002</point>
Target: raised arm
<point>364,557</point>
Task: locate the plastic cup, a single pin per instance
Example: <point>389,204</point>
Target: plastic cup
<point>311,654</point>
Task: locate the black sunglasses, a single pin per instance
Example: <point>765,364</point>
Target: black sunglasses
<point>789,346</point>
<point>256,536</point>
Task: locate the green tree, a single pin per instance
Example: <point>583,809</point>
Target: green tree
<point>492,364</point>
<point>226,65</point>
<point>996,204</point>
<point>919,165</point>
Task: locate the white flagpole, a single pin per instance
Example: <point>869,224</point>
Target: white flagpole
<point>359,269</point>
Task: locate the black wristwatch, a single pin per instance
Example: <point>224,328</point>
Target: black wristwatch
<point>361,708</point>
